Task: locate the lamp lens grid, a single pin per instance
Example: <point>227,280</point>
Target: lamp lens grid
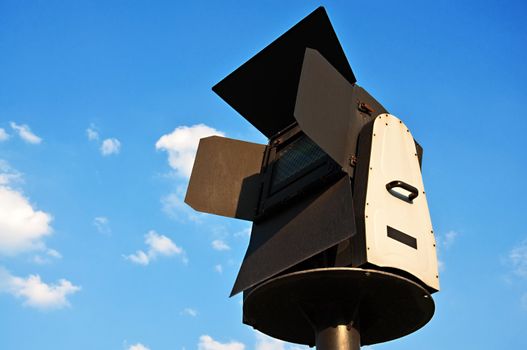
<point>293,159</point>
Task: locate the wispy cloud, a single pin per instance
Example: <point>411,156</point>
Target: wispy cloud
<point>92,133</point>
<point>264,342</point>
<point>182,144</point>
<point>8,175</point>
<point>245,233</point>
<point>4,136</point>
<point>518,259</point>
<point>48,256</point>
<point>37,293</point>
<point>189,312</point>
<point>158,245</point>
<point>110,146</point>
<point>517,262</point>
<point>220,245</point>
<point>175,208</point>
<point>447,240</point>
<point>138,346</point>
<point>206,342</point>
<point>218,268</point>
<point>25,133</point>
<point>443,243</point>
<point>102,224</point>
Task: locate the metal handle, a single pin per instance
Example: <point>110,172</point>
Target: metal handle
<point>414,192</point>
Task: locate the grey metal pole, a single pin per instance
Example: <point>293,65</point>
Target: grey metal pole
<point>340,337</point>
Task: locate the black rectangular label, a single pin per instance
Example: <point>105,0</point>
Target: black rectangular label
<point>402,237</point>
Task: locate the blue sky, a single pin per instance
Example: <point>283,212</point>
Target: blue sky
<point>99,102</point>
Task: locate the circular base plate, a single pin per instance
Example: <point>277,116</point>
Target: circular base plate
<point>385,305</point>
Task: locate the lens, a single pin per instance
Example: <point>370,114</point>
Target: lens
<point>293,159</point>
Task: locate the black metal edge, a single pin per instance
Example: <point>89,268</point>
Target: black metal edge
<point>360,185</point>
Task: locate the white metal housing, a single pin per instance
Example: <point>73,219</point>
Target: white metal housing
<point>394,158</point>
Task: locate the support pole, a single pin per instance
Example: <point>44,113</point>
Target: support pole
<point>340,337</point>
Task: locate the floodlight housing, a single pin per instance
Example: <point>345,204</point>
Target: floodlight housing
<point>308,191</point>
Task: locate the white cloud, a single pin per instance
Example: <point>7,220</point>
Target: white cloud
<point>218,268</point>
<point>264,342</point>
<point>189,312</point>
<point>449,239</point>
<point>54,254</point>
<point>220,245</point>
<point>174,206</point>
<point>444,242</point>
<point>158,245</point>
<point>139,257</point>
<point>246,232</point>
<point>25,133</point>
<point>518,259</point>
<point>4,136</point>
<point>22,227</point>
<point>161,245</point>
<point>138,346</point>
<point>207,343</point>
<point>49,255</point>
<point>182,144</point>
<point>440,265</point>
<point>37,293</point>
<point>92,133</point>
<point>8,175</point>
<point>102,224</point>
<point>110,146</point>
